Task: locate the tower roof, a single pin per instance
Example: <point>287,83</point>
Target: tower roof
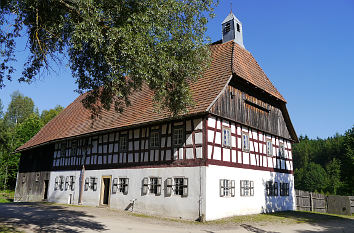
<point>231,16</point>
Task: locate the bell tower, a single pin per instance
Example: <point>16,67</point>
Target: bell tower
<point>232,30</point>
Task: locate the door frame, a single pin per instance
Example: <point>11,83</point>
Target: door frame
<point>102,190</point>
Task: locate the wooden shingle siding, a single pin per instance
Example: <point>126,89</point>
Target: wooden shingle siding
<point>246,109</point>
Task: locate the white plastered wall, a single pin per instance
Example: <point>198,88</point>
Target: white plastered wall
<point>174,206</point>
<point>220,207</point>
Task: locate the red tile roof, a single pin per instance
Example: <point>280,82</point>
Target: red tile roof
<point>227,59</point>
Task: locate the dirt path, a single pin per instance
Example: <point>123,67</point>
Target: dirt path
<point>39,217</point>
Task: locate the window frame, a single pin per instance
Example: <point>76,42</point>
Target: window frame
<point>284,189</point>
<point>270,147</point>
<point>123,185</point>
<point>227,188</point>
<point>123,144</point>
<point>243,142</point>
<point>227,129</point>
<point>174,136</point>
<point>281,150</point>
<point>246,188</point>
<point>152,140</point>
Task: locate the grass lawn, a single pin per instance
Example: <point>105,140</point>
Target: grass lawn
<point>8,229</point>
<point>6,196</point>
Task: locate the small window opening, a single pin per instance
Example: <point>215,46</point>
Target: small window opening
<point>238,28</point>
<point>227,28</point>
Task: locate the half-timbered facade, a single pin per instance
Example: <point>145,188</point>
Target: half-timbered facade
<point>230,155</point>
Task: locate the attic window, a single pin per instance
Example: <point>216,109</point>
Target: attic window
<point>238,28</point>
<point>227,28</point>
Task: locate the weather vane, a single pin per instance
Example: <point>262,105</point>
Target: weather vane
<point>230,6</point>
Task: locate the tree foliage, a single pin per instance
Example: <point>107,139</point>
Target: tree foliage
<point>113,47</point>
<point>19,109</point>
<point>14,133</point>
<point>48,115</point>
<point>336,158</point>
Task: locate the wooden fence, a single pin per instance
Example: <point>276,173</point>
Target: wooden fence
<point>310,201</point>
<point>316,202</point>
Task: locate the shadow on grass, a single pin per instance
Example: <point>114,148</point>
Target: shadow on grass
<point>47,218</point>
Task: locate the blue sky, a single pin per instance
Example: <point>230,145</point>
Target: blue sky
<point>305,47</point>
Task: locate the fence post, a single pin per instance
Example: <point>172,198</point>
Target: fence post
<point>311,201</point>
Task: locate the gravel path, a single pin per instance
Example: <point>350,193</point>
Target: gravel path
<point>40,217</point>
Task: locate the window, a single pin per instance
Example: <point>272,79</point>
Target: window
<point>120,185</point>
<point>281,150</point>
<point>227,27</point>
<point>272,188</point>
<point>123,185</point>
<point>269,148</point>
<point>123,143</point>
<point>284,189</point>
<point>226,137</point>
<point>247,188</point>
<point>155,139</point>
<point>227,188</point>
<point>67,182</point>
<point>178,135</point>
<point>72,183</point>
<point>245,142</point>
<point>63,149</point>
<point>181,186</point>
<point>152,185</point>
<point>61,183</point>
<point>238,27</point>
<point>74,148</point>
<point>91,183</point>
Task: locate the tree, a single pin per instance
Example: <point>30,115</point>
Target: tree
<point>312,178</point>
<point>114,47</point>
<point>1,110</point>
<point>19,108</point>
<point>47,115</point>
<point>333,172</point>
<point>348,162</point>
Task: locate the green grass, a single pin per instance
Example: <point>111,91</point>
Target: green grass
<point>7,196</point>
<point>8,229</point>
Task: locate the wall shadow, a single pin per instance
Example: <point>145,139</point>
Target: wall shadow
<point>47,218</point>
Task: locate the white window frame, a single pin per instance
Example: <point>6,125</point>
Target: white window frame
<point>226,137</point>
<point>227,188</point>
<point>123,185</point>
<point>269,147</point>
<point>246,188</point>
<point>178,136</point>
<point>245,142</point>
<point>152,187</point>
<point>154,139</point>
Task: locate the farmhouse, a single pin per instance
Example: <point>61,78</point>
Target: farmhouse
<point>230,155</point>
